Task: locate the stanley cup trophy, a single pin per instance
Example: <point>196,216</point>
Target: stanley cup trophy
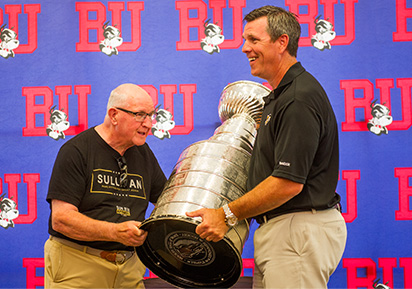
<point>208,174</point>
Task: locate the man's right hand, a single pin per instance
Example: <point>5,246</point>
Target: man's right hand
<point>129,234</point>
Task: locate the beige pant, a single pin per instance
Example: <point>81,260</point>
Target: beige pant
<point>66,267</point>
<point>299,250</point>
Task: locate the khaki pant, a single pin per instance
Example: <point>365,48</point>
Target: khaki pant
<point>299,250</point>
<point>66,267</point>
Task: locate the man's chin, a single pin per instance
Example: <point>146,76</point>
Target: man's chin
<point>138,141</point>
<point>254,72</point>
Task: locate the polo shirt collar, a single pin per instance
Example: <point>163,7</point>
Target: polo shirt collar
<point>294,71</point>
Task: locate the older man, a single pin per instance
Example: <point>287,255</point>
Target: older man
<point>101,184</point>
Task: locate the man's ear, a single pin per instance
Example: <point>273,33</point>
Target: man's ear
<point>112,113</point>
<point>283,42</point>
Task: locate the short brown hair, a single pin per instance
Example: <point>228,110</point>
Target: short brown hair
<point>279,22</point>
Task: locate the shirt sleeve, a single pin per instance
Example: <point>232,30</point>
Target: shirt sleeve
<point>68,180</point>
<point>297,140</point>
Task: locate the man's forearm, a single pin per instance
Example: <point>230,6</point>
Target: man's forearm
<point>269,194</point>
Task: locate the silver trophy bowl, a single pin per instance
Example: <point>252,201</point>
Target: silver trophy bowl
<point>242,97</point>
<point>208,174</point>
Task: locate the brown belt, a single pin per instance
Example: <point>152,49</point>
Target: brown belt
<point>117,257</point>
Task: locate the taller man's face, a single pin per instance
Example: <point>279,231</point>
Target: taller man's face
<point>262,52</point>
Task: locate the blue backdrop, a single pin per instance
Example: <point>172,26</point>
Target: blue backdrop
<point>60,60</point>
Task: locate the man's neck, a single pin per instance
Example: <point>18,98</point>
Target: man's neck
<point>107,135</point>
<point>284,66</point>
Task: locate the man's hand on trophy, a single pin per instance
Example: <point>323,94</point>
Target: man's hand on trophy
<point>213,226</point>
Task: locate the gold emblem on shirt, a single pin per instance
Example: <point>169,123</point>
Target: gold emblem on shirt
<point>268,117</point>
<point>124,211</point>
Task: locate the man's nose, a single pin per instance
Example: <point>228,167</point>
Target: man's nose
<point>245,47</point>
<point>148,121</point>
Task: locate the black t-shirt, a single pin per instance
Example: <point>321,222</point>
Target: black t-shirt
<point>86,175</point>
<point>298,140</point>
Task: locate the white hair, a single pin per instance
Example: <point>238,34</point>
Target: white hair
<point>117,98</point>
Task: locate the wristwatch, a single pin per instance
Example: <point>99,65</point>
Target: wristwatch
<point>231,219</point>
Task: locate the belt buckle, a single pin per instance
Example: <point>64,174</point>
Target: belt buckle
<point>123,259</point>
<point>114,257</point>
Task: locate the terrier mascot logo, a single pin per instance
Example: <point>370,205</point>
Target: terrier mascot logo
<point>111,41</point>
<point>213,38</point>
<point>324,34</point>
<point>381,119</point>
<point>163,124</point>
<point>8,42</point>
<point>8,212</point>
<point>58,124</point>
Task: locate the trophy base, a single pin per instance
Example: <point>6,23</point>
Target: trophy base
<point>175,253</point>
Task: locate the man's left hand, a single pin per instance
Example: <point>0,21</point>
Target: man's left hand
<point>213,226</point>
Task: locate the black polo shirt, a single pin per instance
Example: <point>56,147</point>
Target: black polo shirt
<point>298,140</point>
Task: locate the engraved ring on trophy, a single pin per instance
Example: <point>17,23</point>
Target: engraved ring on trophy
<point>208,174</point>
